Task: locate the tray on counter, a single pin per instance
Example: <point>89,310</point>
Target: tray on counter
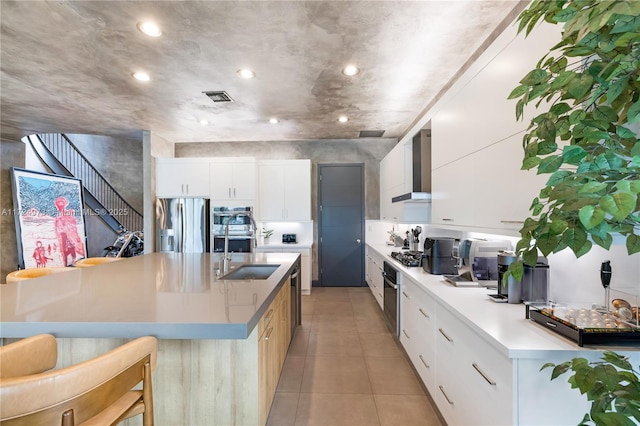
<point>586,326</point>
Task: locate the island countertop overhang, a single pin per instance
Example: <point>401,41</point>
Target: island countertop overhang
<point>167,295</point>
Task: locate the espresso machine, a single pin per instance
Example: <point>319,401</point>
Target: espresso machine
<point>476,262</point>
<point>534,286</point>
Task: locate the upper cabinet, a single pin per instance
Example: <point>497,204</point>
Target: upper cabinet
<point>182,177</point>
<point>284,190</point>
<point>233,179</point>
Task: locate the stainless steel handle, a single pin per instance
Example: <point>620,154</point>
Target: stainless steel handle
<point>423,313</point>
<point>295,274</point>
<point>358,241</point>
<point>268,333</point>
<point>512,221</point>
<point>391,284</point>
<point>229,189</point>
<point>483,374</point>
<point>445,394</point>
<point>405,295</point>
<point>405,333</point>
<point>380,294</point>
<point>268,316</point>
<point>446,219</point>
<point>445,335</point>
<point>234,193</point>
<point>423,361</point>
<point>550,324</point>
<point>187,188</point>
<point>182,188</point>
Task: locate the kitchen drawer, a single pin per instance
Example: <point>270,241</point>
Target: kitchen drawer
<point>486,373</point>
<point>269,314</point>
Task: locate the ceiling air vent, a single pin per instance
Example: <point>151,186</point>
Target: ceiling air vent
<point>219,96</point>
<point>371,133</point>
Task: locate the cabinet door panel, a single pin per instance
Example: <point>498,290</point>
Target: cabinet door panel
<point>221,180</point>
<point>178,178</point>
<point>454,193</point>
<point>244,181</point>
<point>271,192</point>
<point>297,192</point>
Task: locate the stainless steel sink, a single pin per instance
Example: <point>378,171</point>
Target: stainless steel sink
<point>250,272</point>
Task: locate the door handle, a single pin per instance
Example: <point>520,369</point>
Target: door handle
<point>358,241</point>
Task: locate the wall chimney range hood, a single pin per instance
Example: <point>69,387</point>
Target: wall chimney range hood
<point>421,170</point>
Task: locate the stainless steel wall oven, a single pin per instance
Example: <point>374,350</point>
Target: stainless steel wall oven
<point>240,232</point>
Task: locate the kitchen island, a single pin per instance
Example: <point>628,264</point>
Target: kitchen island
<point>213,358</point>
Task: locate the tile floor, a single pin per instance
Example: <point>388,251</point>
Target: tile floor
<point>345,368</point>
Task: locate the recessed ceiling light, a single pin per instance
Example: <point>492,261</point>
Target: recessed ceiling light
<point>350,70</point>
<point>343,119</point>
<point>149,28</point>
<point>204,122</point>
<point>246,73</point>
<point>141,76</point>
<point>274,120</point>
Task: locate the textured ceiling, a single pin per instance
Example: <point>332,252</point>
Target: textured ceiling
<point>67,65</point>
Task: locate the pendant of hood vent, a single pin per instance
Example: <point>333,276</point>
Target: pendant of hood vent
<point>219,96</point>
<point>420,170</point>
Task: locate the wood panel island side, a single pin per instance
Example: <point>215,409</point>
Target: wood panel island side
<point>222,343</point>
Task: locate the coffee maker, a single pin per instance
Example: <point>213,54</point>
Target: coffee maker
<point>534,286</point>
<point>438,255</point>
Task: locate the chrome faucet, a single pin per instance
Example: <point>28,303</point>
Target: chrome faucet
<point>227,257</point>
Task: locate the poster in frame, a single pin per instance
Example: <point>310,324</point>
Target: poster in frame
<point>48,211</point>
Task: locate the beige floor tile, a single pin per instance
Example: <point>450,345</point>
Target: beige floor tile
<point>300,341</point>
<point>406,410</point>
<point>379,344</point>
<point>331,294</point>
<point>307,306</point>
<point>333,308</point>
<point>291,376</point>
<point>315,409</point>
<point>283,409</point>
<point>372,324</point>
<point>367,310</point>
<point>330,344</point>
<point>335,374</point>
<point>392,376</point>
<point>327,323</point>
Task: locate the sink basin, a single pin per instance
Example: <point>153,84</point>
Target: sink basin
<point>250,272</point>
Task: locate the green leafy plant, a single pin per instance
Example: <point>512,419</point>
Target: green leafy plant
<point>612,386</point>
<point>591,82</point>
<point>266,233</point>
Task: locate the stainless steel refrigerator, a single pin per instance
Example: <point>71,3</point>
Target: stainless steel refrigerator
<point>182,225</point>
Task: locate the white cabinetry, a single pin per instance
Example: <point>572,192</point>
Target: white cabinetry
<point>373,271</point>
<point>473,381</point>
<point>417,330</point>
<point>182,177</point>
<point>233,179</point>
<point>305,263</point>
<point>285,190</point>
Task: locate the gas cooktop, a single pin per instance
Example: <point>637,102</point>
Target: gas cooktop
<point>408,258</point>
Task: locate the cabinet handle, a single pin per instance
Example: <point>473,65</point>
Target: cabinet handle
<point>268,333</point>
<point>447,219</point>
<point>187,188</point>
<point>550,324</point>
<point>405,333</point>
<point>268,316</point>
<point>424,313</point>
<point>229,192</point>
<point>445,395</point>
<point>234,193</point>
<point>445,335</point>
<point>182,188</point>
<point>380,294</point>
<point>483,374</point>
<point>423,361</point>
<point>518,222</point>
<point>405,295</point>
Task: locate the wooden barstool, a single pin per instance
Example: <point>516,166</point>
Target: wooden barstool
<point>99,391</point>
<point>91,261</point>
<point>28,273</point>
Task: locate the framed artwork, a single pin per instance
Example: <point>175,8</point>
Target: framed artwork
<point>48,211</point>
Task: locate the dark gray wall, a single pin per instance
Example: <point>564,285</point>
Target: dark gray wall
<point>12,154</point>
<point>367,151</point>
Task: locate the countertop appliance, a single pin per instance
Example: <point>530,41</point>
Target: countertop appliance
<point>391,305</point>
<point>407,258</point>
<point>289,239</point>
<point>182,225</point>
<point>477,262</point>
<point>240,232</point>
<point>534,286</point>
<point>438,256</point>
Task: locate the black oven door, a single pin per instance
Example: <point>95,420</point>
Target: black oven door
<point>389,276</point>
<point>237,244</point>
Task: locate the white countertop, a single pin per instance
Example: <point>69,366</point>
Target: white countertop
<point>502,325</point>
<point>167,295</point>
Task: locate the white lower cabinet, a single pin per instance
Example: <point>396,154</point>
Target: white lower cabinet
<point>417,330</point>
<point>469,380</point>
<point>373,272</point>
